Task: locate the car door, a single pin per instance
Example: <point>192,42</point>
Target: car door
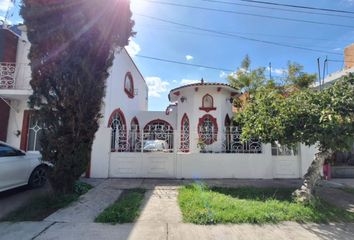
<point>14,167</point>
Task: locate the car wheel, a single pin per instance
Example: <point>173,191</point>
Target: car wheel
<point>38,177</point>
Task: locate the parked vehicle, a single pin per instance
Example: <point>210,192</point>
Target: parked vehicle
<point>18,168</point>
<point>155,146</point>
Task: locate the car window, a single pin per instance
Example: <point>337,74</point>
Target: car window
<point>6,151</point>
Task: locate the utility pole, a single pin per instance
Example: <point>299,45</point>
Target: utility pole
<point>324,70</point>
<point>270,71</point>
<point>319,72</point>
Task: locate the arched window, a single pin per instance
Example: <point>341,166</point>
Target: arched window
<point>207,103</point>
<point>184,134</point>
<point>129,85</point>
<point>119,132</point>
<point>207,129</point>
<point>134,141</point>
<point>227,132</point>
<point>159,130</point>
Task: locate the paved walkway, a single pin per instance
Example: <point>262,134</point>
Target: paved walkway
<point>161,218</point>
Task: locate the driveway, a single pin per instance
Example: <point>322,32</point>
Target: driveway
<point>13,199</point>
<point>161,218</point>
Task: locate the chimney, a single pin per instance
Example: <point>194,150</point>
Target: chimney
<point>349,56</point>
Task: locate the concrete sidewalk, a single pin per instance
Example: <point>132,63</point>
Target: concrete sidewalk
<point>177,231</point>
<point>161,217</point>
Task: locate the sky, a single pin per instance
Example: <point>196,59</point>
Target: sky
<point>220,39</point>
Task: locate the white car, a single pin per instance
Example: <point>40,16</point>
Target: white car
<point>155,146</point>
<point>18,168</point>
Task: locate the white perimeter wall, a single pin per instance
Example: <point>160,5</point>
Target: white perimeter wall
<point>197,165</point>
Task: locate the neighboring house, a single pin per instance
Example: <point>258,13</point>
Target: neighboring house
<point>348,68</point>
<point>343,162</point>
<point>193,138</point>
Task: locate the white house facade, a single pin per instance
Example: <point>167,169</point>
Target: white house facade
<point>193,138</point>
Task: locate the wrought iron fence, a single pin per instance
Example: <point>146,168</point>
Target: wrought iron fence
<point>131,141</point>
<point>167,140</point>
<point>7,75</point>
<point>232,142</point>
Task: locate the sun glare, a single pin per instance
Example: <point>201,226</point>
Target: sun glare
<point>139,6</point>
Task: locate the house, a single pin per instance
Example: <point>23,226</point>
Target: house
<point>193,138</point>
<point>343,162</point>
<point>348,68</point>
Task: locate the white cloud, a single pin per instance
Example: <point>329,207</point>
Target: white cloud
<point>337,49</point>
<point>156,86</point>
<point>350,2</point>
<point>278,71</point>
<point>5,5</point>
<point>189,57</point>
<point>133,48</point>
<point>189,81</point>
<point>174,81</point>
<point>223,74</point>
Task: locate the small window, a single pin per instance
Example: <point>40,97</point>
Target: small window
<point>129,85</point>
<point>35,132</point>
<point>207,103</point>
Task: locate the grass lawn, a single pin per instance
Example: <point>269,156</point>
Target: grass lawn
<point>41,207</point>
<point>202,205</point>
<point>125,210</point>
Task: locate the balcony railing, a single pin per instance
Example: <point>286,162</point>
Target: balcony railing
<point>7,75</point>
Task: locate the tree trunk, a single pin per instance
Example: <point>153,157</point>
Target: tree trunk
<point>305,193</point>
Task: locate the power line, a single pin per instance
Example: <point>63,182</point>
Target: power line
<point>183,63</point>
<point>183,30</point>
<point>295,6</point>
<point>279,9</point>
<point>341,61</point>
<point>237,36</point>
<point>247,14</point>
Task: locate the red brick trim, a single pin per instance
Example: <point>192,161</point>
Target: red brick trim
<point>207,109</point>
<point>156,121</point>
<point>135,120</point>
<point>129,77</point>
<point>121,114</point>
<point>24,132</point>
<point>185,117</point>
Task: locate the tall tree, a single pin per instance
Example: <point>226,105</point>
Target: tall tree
<point>325,118</point>
<point>297,77</point>
<point>246,79</point>
<point>72,47</point>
